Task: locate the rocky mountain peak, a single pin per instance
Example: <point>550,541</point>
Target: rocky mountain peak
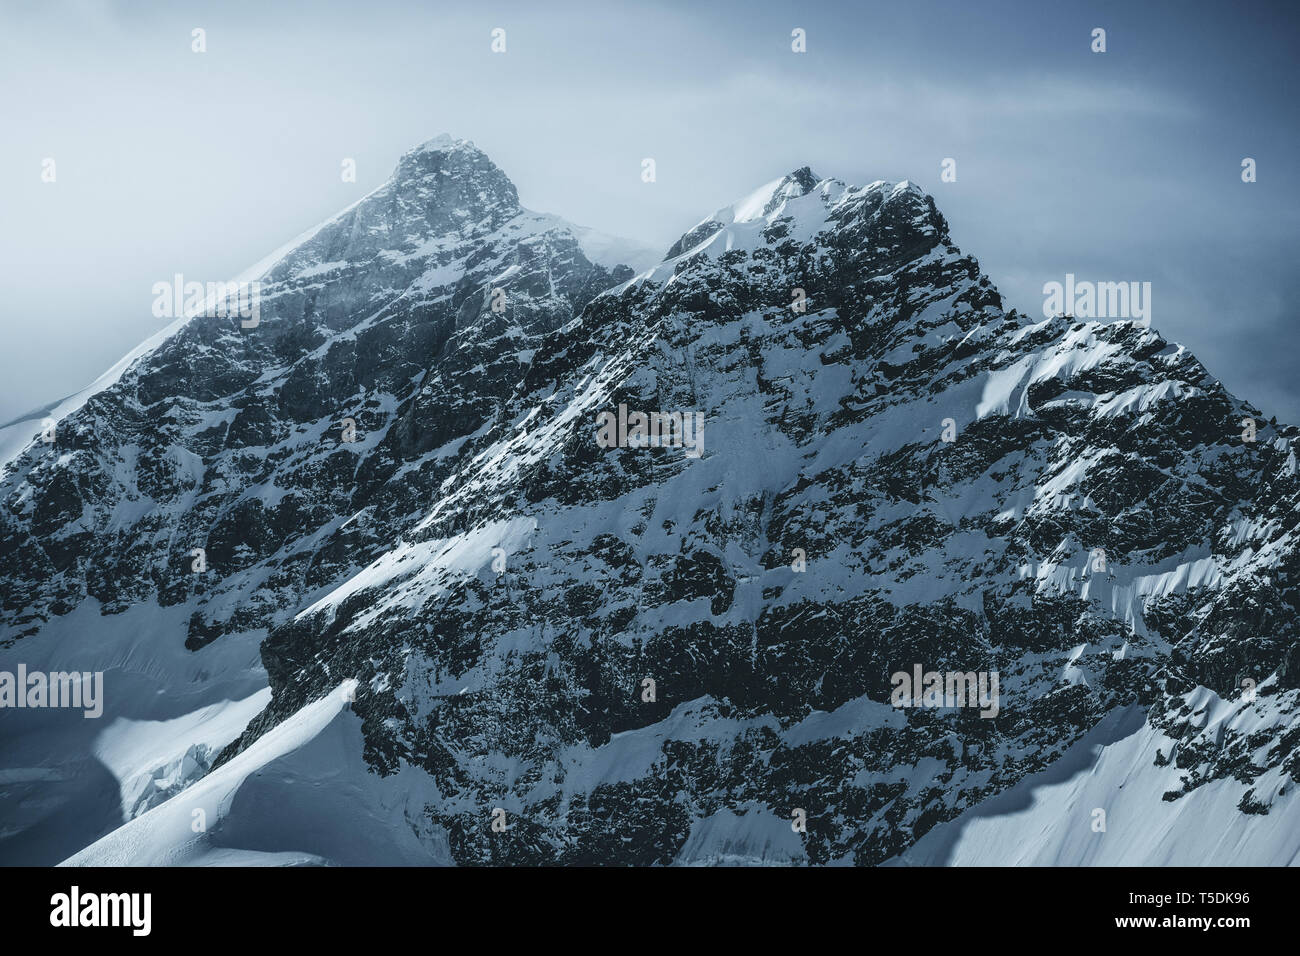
<point>654,652</point>
<point>454,177</point>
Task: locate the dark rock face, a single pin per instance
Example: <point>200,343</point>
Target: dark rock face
<point>643,656</point>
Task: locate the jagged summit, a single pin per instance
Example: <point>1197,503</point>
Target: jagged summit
<point>454,178</point>
<point>799,183</point>
<point>891,222</point>
<point>770,199</point>
<point>442,152</point>
<point>804,177</point>
<point>440,142</point>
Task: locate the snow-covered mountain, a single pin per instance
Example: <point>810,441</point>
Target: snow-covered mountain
<point>475,617</point>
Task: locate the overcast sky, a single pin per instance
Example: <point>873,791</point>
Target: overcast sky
<point>1123,165</point>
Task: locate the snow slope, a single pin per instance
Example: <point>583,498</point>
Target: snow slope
<point>299,796</point>
<point>1051,818</point>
